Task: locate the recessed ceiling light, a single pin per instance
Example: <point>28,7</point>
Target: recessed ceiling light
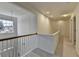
<point>60,22</point>
<point>47,12</point>
<point>65,15</point>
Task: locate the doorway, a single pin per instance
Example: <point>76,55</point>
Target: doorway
<point>74,41</point>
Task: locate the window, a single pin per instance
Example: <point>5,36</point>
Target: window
<point>6,26</point>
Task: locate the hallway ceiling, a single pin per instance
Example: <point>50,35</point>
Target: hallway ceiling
<point>55,9</point>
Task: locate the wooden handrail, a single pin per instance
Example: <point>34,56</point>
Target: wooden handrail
<point>4,39</point>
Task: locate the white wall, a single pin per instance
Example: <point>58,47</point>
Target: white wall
<point>48,43</point>
<point>76,12</point>
<point>27,24</point>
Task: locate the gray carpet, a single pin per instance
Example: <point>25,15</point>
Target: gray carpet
<point>39,53</point>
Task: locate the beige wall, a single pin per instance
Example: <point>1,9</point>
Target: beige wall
<point>54,26</point>
<point>60,25</point>
<point>67,29</point>
<point>43,24</point>
<point>76,12</point>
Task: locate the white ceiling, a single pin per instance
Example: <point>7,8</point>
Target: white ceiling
<point>10,9</point>
<point>56,9</point>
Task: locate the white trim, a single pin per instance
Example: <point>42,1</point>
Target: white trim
<point>6,49</point>
<point>27,52</point>
<point>49,34</point>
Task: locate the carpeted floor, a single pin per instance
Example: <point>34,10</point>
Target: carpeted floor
<point>39,53</point>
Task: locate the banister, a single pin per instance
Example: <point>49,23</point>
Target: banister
<point>4,39</point>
